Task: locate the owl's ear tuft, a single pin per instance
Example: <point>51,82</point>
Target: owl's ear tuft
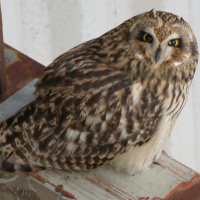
<point>153,10</point>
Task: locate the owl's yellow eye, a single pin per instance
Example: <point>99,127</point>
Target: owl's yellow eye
<point>175,43</point>
<point>144,37</point>
<point>147,37</point>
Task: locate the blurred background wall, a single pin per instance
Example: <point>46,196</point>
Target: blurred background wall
<point>43,29</point>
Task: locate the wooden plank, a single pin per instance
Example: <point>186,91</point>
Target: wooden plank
<point>105,183</point>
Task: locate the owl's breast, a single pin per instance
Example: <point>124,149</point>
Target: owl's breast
<point>144,114</point>
<point>153,120</point>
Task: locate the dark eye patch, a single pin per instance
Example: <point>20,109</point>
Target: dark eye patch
<point>178,42</point>
<point>144,37</point>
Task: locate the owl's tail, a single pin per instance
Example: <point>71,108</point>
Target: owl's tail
<point>3,126</point>
<point>11,129</point>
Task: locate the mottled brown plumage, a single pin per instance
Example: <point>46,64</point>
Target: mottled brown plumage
<point>115,97</point>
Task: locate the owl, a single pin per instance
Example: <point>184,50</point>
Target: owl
<point>112,99</point>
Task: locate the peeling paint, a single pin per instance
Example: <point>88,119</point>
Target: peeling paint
<point>54,187</point>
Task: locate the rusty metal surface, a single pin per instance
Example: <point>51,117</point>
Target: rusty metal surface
<point>172,181</point>
<point>16,69</point>
<point>20,70</point>
<point>21,73</point>
<point>2,62</point>
<point>187,190</point>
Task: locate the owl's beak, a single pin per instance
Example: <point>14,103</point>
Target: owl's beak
<point>157,57</point>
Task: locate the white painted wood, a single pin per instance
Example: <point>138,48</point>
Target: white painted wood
<point>105,183</point>
<point>43,29</point>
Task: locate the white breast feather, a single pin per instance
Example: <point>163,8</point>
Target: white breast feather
<point>139,158</point>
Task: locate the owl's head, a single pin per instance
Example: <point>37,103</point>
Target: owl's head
<point>162,40</point>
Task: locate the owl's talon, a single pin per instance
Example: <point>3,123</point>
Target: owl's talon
<point>164,152</point>
<point>157,163</point>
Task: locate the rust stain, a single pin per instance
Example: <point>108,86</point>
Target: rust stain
<point>108,184</point>
<point>105,188</point>
<point>189,190</point>
<point>38,178</point>
<point>20,70</point>
<point>58,188</point>
<point>148,198</point>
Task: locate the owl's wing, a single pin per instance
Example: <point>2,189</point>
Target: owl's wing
<point>82,117</point>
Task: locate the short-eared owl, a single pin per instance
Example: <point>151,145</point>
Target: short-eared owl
<point>114,98</point>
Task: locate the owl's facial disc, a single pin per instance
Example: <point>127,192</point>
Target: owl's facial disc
<point>162,44</point>
<point>152,46</point>
<point>158,50</point>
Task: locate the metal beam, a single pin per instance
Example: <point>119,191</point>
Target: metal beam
<point>20,70</point>
<point>2,62</point>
